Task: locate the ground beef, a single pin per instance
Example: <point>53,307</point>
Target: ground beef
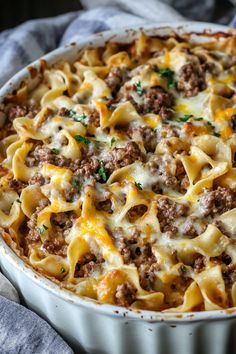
<point>72,193</point>
<point>153,100</point>
<point>160,166</point>
<point>217,201</point>
<point>33,235</point>
<point>104,205</point>
<point>61,224</point>
<point>136,212</point>
<point>42,155</point>
<point>147,276</point>
<point>220,225</point>
<point>191,79</point>
<point>38,179</point>
<point>229,274</point>
<point>17,185</point>
<point>178,287</point>
<point>226,259</point>
<point>199,263</point>
<point>94,118</point>
<point>168,211</point>
<point>184,183</point>
<point>63,111</point>
<point>193,226</point>
<point>87,265</point>
<point>168,131</point>
<point>17,111</point>
<point>233,122</point>
<point>134,249</point>
<point>125,294</point>
<point>120,157</point>
<point>55,246</point>
<point>144,256</point>
<point>116,78</point>
<point>123,244</point>
<point>22,111</point>
<point>63,220</point>
<point>146,134</point>
<point>87,167</point>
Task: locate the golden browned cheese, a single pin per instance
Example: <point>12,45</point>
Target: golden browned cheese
<point>118,173</point>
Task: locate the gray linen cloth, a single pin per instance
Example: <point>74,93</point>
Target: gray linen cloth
<point>22,331</point>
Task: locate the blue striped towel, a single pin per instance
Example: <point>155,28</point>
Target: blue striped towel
<point>22,331</point>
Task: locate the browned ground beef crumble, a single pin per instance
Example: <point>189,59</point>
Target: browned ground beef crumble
<point>191,80</point>
<point>217,201</point>
<point>155,100</point>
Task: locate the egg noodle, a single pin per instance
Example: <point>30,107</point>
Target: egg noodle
<point>118,173</point>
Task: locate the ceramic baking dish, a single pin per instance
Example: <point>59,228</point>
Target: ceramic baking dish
<point>105,329</point>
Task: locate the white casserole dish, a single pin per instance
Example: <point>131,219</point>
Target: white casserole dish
<point>106,329</point>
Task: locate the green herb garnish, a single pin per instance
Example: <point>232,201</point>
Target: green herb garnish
<point>216,134</point>
<point>77,118</point>
<point>139,88</point>
<point>113,140</point>
<point>183,269</point>
<point>18,201</point>
<point>213,128</point>
<point>169,75</point>
<point>210,125</point>
<point>102,172</point>
<point>139,185</point>
<point>82,118</point>
<point>185,118</point>
<point>71,113</point>
<point>75,183</point>
<point>56,151</point>
<point>42,229</point>
<point>62,270</point>
<point>82,139</point>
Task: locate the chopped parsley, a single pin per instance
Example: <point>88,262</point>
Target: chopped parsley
<point>82,119</point>
<point>18,201</point>
<point>78,118</point>
<point>62,270</point>
<point>183,269</point>
<point>210,125</point>
<point>139,88</point>
<point>42,229</point>
<point>82,139</point>
<point>113,140</point>
<point>213,129</point>
<point>71,113</point>
<point>102,172</point>
<point>139,185</point>
<point>185,118</point>
<point>56,151</point>
<point>169,75</point>
<point>75,183</point>
<point>216,134</point>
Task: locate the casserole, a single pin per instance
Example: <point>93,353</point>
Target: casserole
<point>187,320</point>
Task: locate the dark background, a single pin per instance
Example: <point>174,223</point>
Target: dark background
<point>14,12</point>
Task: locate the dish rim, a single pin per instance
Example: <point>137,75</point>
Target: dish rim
<point>24,75</point>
